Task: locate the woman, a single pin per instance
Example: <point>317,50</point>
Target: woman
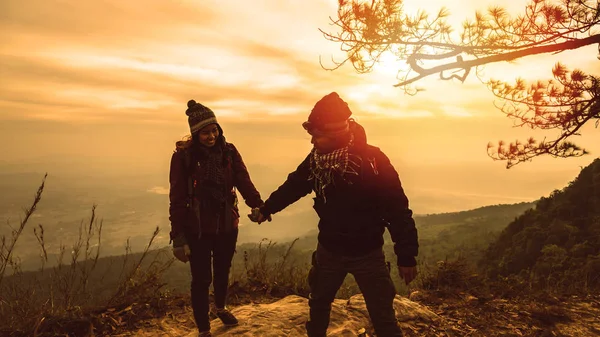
<point>205,171</point>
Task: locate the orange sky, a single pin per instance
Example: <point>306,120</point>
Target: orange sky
<point>109,80</point>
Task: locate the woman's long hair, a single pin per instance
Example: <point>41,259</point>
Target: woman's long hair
<point>185,143</point>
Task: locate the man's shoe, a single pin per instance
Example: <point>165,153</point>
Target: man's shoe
<point>312,332</point>
<point>226,317</point>
<point>205,334</point>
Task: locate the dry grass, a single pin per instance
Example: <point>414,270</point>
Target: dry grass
<point>456,274</point>
<point>67,297</point>
<point>83,293</point>
<point>273,271</point>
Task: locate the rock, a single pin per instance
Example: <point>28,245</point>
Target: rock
<point>416,296</point>
<point>471,299</point>
<point>287,316</point>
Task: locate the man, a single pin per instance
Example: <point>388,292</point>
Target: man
<point>358,195</point>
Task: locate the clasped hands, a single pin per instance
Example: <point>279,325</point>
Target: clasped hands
<point>256,216</point>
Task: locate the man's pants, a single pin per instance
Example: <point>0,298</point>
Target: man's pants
<point>326,276</point>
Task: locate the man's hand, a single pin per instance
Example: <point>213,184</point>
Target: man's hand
<point>256,216</point>
<point>407,273</point>
<point>182,253</point>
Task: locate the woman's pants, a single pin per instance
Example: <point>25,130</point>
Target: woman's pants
<point>218,249</point>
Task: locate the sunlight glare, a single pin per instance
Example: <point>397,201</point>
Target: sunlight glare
<point>389,65</point>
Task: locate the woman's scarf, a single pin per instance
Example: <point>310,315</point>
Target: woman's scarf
<point>212,173</point>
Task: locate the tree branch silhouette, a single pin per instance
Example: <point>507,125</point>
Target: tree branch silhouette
<point>429,46</point>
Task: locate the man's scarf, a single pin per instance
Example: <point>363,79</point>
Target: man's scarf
<point>324,167</point>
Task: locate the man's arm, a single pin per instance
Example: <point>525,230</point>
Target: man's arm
<point>295,187</point>
<point>395,211</point>
<point>241,180</point>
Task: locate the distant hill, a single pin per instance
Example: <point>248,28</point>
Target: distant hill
<point>440,236</point>
<point>557,244</point>
<point>450,234</point>
<point>129,208</point>
<point>465,233</point>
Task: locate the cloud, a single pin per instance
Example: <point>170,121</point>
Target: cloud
<point>117,63</point>
<point>122,90</point>
<point>243,77</point>
<point>159,190</point>
<point>140,62</point>
<point>101,87</point>
<point>109,23</point>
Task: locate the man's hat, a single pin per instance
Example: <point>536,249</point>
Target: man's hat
<point>329,116</point>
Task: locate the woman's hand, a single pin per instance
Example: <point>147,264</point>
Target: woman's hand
<point>257,216</point>
<point>182,253</point>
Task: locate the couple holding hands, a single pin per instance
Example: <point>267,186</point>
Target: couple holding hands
<point>357,195</point>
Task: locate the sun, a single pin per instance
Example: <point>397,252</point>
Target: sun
<point>389,65</point>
